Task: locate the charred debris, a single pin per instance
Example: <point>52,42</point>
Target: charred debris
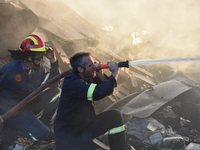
<point>161,107</point>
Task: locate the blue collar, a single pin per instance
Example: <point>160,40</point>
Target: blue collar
<point>22,65</point>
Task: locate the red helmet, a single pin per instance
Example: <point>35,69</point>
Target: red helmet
<point>33,43</point>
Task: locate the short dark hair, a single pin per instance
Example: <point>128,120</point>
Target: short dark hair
<point>18,54</point>
<point>77,60</point>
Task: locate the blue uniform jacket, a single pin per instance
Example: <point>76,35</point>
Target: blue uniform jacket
<point>16,82</point>
<point>75,110</point>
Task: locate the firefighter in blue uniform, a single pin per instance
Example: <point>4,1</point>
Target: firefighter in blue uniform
<point>76,123</point>
<point>21,77</point>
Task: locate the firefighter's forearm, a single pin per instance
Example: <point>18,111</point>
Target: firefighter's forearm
<point>101,76</point>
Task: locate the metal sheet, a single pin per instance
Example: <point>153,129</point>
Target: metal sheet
<point>146,103</point>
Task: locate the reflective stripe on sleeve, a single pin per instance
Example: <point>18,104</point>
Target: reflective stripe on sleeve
<point>117,130</point>
<point>90,92</point>
<point>46,78</point>
<point>55,97</point>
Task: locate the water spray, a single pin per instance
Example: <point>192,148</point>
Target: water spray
<point>149,61</point>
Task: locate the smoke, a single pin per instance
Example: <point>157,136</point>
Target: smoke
<point>173,25</point>
<point>161,18</point>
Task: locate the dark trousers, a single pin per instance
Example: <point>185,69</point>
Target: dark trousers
<point>101,124</point>
<point>26,124</point>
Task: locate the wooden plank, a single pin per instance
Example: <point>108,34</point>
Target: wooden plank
<point>96,55</point>
<point>131,57</point>
<point>117,93</point>
<point>110,53</point>
<point>124,75</point>
<point>142,70</point>
<point>133,81</point>
<point>120,96</point>
<point>124,91</point>
<point>61,52</point>
<point>126,70</point>
<point>112,98</point>
<point>144,78</point>
<point>126,84</point>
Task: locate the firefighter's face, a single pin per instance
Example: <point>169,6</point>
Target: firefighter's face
<point>38,58</point>
<point>90,67</point>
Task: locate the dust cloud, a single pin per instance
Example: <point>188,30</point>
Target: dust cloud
<point>173,25</point>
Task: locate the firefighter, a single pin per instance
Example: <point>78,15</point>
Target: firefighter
<point>76,123</point>
<point>21,77</point>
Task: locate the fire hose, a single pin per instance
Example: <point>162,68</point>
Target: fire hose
<point>101,66</point>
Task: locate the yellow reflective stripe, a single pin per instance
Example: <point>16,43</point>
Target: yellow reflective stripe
<point>90,92</point>
<point>46,77</point>
<point>33,39</point>
<point>39,49</point>
<point>55,97</point>
<point>32,137</point>
<point>117,130</point>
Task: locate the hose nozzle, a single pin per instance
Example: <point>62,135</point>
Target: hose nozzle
<point>120,64</point>
<point>123,64</point>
